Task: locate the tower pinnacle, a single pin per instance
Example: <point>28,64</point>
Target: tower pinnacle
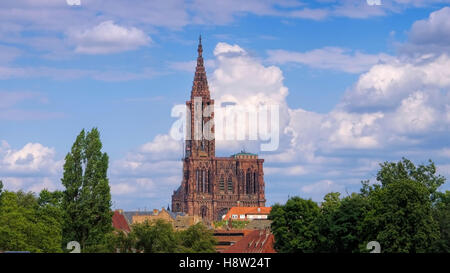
<point>200,84</point>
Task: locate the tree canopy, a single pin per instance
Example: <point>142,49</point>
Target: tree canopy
<point>403,211</point>
<point>86,198</point>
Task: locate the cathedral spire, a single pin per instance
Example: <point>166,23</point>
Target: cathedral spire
<point>200,85</point>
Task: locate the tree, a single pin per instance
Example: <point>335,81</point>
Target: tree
<point>26,224</point>
<point>441,214</point>
<point>197,239</point>
<point>155,237</point>
<point>160,237</point>
<point>344,226</point>
<point>391,172</point>
<point>400,217</point>
<point>87,199</point>
<point>295,225</point>
<point>328,208</point>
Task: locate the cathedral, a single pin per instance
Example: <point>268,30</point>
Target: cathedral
<point>212,185</point>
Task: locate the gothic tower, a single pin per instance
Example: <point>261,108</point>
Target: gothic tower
<point>212,185</point>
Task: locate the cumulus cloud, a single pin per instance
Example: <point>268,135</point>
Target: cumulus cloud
<point>31,168</point>
<point>108,37</point>
<point>430,35</point>
<point>248,86</point>
<point>33,158</point>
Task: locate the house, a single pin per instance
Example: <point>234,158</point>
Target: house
<point>247,213</point>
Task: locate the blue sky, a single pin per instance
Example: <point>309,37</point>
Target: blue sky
<point>357,85</point>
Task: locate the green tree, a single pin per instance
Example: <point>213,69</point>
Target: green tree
<point>197,239</point>
<point>400,217</point>
<point>87,199</point>
<point>328,208</point>
<point>295,225</point>
<point>343,227</point>
<point>391,172</point>
<point>119,241</point>
<point>26,224</point>
<point>441,214</point>
<point>155,237</point>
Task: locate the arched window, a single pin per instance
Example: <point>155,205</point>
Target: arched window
<point>230,185</point>
<point>197,179</point>
<point>255,182</point>
<point>247,183</point>
<point>204,212</point>
<point>221,183</point>
<point>209,182</point>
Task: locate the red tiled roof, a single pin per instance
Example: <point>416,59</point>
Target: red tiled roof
<point>226,238</point>
<point>119,222</point>
<point>247,210</point>
<point>257,241</point>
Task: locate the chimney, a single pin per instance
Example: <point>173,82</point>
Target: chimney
<point>155,211</point>
<point>120,211</point>
<point>259,209</point>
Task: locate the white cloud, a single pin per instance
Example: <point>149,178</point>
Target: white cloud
<point>162,144</point>
<point>332,58</point>
<point>432,31</point>
<point>108,37</point>
<point>31,168</point>
<point>386,85</point>
<point>33,158</point>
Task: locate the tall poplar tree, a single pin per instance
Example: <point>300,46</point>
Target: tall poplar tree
<point>87,197</point>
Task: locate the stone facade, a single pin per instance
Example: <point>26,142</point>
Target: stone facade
<point>212,185</point>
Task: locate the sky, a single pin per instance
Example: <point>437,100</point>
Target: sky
<point>357,82</point>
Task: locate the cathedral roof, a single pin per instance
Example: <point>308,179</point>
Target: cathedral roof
<point>244,154</point>
<point>200,85</point>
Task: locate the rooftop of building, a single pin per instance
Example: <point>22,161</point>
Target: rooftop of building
<point>256,241</point>
<point>119,221</point>
<point>247,211</point>
<point>129,214</point>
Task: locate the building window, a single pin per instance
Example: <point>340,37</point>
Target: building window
<point>247,183</point>
<point>221,183</point>
<point>197,179</point>
<point>230,184</point>
<point>208,179</point>
<point>255,182</point>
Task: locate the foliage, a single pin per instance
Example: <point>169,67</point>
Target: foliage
<point>237,224</point>
<point>28,223</point>
<point>294,225</point>
<point>441,214</point>
<point>87,199</point>
<point>404,212</point>
<point>197,239</point>
<point>400,218</point>
<point>392,172</point>
<point>160,237</point>
<point>340,227</point>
